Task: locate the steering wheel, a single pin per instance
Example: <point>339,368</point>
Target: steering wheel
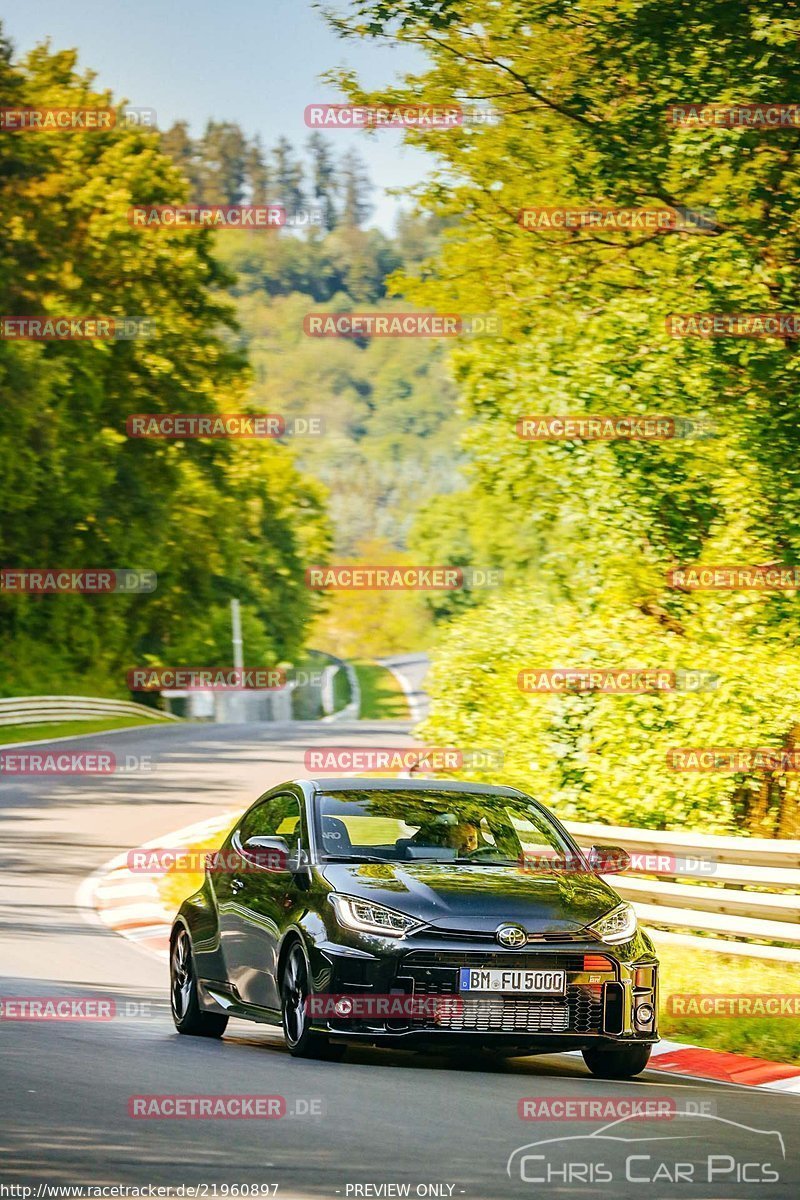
<point>483,851</point>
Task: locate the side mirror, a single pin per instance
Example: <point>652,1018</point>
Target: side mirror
<point>300,866</point>
<point>609,860</point>
<point>268,853</point>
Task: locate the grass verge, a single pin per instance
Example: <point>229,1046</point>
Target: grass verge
<point>702,972</point>
<point>38,733</point>
<point>382,698</point>
<point>341,691</point>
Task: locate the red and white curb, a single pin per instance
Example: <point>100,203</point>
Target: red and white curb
<point>724,1067</point>
<point>130,904</point>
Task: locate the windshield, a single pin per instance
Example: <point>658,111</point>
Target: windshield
<point>403,826</point>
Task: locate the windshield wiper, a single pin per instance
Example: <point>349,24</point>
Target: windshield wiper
<point>356,858</point>
<point>485,862</point>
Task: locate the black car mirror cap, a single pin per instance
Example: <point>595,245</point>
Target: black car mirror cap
<point>609,860</point>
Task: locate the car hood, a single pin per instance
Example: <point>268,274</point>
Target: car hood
<point>477,897</point>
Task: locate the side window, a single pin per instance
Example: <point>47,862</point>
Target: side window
<point>277,817</point>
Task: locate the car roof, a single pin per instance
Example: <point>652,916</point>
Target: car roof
<point>357,783</point>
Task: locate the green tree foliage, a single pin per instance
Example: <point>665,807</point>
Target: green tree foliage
<point>178,144</point>
<point>324,180</point>
<point>224,157</point>
<point>355,624</point>
<point>356,187</point>
<point>586,531</point>
<point>223,167</point>
<point>289,175</point>
<point>256,173</point>
<point>214,519</point>
<point>387,404</point>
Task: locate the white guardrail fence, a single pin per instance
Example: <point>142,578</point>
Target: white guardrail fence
<point>37,710</point>
<point>707,884</point>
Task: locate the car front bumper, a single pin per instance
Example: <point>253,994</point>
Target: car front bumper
<point>607,991</point>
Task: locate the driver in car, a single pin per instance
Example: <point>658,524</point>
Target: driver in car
<point>463,838</point>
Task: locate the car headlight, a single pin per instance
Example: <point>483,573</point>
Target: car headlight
<point>366,917</point>
<point>616,926</point>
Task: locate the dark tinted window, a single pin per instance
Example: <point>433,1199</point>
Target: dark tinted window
<point>277,817</point>
<point>442,826</point>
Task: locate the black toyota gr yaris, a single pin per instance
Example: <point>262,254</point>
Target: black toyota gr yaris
<point>415,913</point>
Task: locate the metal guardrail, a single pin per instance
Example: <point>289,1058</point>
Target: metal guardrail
<point>39,710</point>
<point>721,904</point>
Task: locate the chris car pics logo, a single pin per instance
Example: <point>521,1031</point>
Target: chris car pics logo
<point>699,1149</point>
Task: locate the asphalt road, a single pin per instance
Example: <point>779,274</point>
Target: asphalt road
<point>373,1125</point>
<point>411,670</point>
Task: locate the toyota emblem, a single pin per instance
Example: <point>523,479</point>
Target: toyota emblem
<point>511,935</point>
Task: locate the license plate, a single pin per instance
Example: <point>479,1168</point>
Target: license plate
<point>509,979</point>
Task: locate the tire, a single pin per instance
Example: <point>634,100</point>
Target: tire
<point>301,1040</point>
<point>617,1062</point>
<point>186,1012</point>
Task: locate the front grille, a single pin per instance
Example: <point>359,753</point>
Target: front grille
<point>580,1011</point>
<point>465,935</point>
<point>581,936</point>
<point>436,973</point>
<point>504,1015</point>
<point>502,958</point>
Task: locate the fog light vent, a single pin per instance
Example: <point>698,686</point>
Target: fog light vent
<point>597,962</point>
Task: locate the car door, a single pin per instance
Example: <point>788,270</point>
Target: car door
<point>254,899</point>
